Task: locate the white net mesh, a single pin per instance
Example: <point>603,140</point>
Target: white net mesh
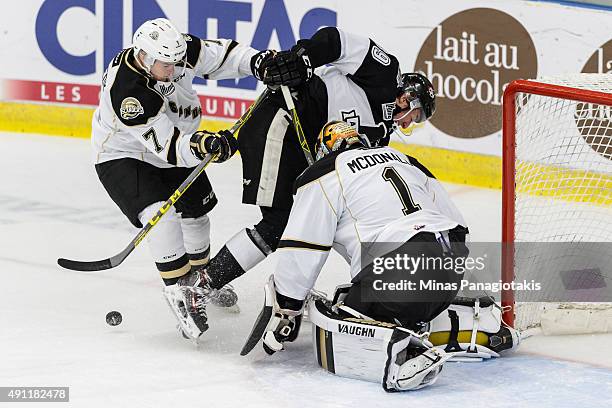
<point>563,187</point>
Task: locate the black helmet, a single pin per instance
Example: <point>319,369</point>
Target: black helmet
<point>420,94</point>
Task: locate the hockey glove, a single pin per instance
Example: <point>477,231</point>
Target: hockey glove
<point>283,327</point>
<point>279,321</point>
<point>259,62</point>
<point>222,143</point>
<point>290,68</point>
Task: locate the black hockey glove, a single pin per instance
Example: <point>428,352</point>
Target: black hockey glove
<point>290,68</point>
<point>222,143</point>
<point>259,62</point>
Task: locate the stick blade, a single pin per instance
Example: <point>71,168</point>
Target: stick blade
<point>85,266</point>
<point>94,266</point>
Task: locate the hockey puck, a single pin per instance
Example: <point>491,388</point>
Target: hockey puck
<point>113,318</point>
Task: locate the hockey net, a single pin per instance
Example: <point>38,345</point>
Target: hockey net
<point>557,188</point>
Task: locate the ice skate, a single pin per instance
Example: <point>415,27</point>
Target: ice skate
<point>225,297</point>
<point>189,308</point>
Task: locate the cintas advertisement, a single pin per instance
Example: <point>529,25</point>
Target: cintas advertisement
<point>69,43</point>
<point>55,51</point>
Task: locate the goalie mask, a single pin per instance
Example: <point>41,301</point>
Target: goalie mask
<point>337,135</point>
<point>419,93</point>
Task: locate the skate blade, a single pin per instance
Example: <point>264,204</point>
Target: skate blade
<point>194,341</point>
<point>188,328</point>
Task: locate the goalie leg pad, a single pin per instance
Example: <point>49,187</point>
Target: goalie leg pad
<point>472,327</point>
<point>373,351</point>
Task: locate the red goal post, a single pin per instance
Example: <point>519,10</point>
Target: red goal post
<point>575,91</point>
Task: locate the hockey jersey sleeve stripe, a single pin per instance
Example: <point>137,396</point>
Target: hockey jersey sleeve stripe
<point>290,243</point>
<point>420,166</point>
<point>194,47</point>
<point>172,147</point>
<point>233,44</point>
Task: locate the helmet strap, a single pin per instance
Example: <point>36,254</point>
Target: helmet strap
<point>413,103</point>
<point>146,63</point>
<point>420,119</point>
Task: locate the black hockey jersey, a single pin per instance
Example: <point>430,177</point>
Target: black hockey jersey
<point>358,85</point>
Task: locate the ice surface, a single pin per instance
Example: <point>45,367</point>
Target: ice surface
<point>53,330</point>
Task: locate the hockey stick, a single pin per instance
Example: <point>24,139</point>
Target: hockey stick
<point>297,124</point>
<point>108,263</point>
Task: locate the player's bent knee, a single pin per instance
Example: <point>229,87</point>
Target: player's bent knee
<point>166,242</point>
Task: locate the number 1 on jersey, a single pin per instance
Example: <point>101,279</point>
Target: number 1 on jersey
<point>401,188</point>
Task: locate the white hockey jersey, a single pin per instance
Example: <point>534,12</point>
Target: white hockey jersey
<point>141,118</point>
<point>357,82</point>
<point>362,195</point>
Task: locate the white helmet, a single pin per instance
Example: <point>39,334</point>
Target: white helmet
<point>160,40</point>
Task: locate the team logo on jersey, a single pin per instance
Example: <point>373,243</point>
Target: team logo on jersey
<point>187,37</point>
<point>166,89</point>
<point>351,117</point>
<point>130,108</point>
<point>380,56</point>
<point>154,35</point>
<point>387,109</point>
